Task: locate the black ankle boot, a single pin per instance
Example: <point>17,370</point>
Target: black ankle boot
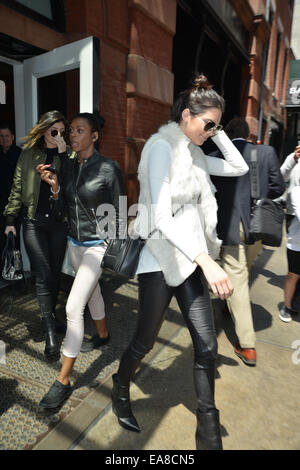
<point>208,435</point>
<point>51,346</point>
<point>121,405</point>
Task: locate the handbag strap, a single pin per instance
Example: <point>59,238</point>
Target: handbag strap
<point>254,177</point>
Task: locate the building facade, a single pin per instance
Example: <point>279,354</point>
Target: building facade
<point>293,87</point>
<point>129,58</point>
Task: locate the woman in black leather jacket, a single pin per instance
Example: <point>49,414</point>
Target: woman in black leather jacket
<point>91,186</point>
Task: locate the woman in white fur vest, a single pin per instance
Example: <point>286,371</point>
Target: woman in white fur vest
<point>178,216</point>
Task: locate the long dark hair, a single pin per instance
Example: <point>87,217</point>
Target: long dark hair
<point>198,99</point>
<point>35,137</point>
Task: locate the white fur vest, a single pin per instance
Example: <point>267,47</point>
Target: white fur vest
<point>190,185</point>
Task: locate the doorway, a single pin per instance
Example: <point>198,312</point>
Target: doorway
<point>66,78</point>
<point>59,91</point>
<point>276,137</point>
<point>7,112</point>
<point>202,46</point>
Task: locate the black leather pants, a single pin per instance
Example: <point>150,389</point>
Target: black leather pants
<point>194,302</point>
<point>45,241</point>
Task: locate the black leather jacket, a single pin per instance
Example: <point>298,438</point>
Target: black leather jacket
<point>84,191</point>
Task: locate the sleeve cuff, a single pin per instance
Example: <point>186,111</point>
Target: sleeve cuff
<point>10,220</point>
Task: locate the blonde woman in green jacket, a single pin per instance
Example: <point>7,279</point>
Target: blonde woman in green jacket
<point>44,232</point>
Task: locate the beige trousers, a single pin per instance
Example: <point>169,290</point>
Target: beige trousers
<point>237,261</point>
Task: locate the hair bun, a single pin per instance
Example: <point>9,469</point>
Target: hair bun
<point>201,81</point>
<point>100,119</point>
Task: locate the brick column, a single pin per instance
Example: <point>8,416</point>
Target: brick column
<point>149,78</point>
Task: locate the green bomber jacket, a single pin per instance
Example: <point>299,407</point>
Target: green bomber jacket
<point>26,184</point>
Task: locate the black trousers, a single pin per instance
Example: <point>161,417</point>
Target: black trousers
<point>45,241</point>
<point>194,302</point>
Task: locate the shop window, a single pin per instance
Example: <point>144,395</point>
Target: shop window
<point>49,12</point>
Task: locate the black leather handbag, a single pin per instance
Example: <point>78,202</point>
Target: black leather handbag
<point>122,256</point>
<point>12,266</point>
<point>267,216</point>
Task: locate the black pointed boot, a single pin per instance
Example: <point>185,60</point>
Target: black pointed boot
<point>208,435</point>
<point>121,405</point>
<point>51,347</point>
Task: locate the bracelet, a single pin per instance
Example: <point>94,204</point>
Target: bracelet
<point>53,192</point>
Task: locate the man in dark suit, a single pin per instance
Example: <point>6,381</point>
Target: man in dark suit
<point>239,251</point>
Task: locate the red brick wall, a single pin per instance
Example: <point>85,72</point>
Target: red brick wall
<point>273,104</point>
<point>113,102</point>
<point>148,39</point>
<point>107,20</point>
<point>130,27</point>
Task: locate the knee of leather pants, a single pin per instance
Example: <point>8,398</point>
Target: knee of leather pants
<point>138,350</point>
<point>206,359</point>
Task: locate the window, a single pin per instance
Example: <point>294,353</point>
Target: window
<point>48,12</point>
<point>42,8</point>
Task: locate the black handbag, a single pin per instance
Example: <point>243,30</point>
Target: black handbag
<point>267,215</point>
<point>12,266</point>
<point>122,256</point>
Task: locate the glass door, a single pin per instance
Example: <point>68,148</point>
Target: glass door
<point>66,78</point>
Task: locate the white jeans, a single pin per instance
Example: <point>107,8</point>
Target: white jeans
<point>85,290</point>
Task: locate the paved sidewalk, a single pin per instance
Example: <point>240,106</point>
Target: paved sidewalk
<point>259,406</point>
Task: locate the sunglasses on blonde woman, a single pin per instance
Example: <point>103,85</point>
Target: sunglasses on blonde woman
<point>210,126</point>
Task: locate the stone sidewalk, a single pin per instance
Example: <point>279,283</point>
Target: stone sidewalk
<point>259,406</point>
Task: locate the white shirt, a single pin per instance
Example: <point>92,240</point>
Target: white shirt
<point>294,231</point>
<point>290,170</point>
<point>158,170</point>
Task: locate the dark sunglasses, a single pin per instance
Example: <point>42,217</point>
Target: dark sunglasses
<point>54,133</point>
<point>211,126</point>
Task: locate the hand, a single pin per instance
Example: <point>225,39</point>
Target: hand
<point>60,142</point>
<point>216,277</point>
<point>297,153</point>
<point>48,176</point>
<point>10,228</point>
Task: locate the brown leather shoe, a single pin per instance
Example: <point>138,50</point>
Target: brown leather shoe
<point>248,356</point>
